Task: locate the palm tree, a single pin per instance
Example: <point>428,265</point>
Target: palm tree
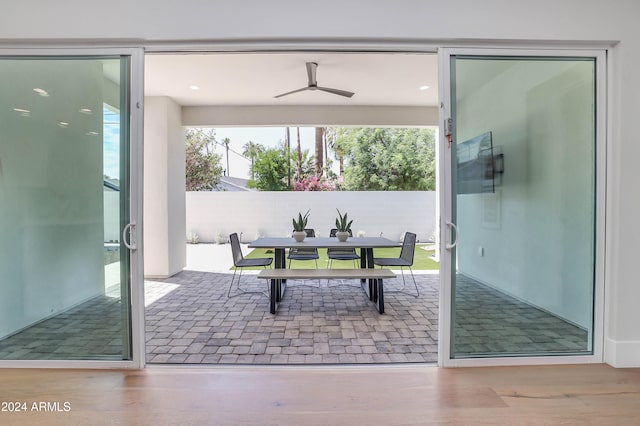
<point>226,142</point>
<point>287,136</point>
<point>299,156</point>
<point>319,151</point>
<point>338,148</point>
<point>252,150</point>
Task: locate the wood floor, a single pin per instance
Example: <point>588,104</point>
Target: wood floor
<point>301,395</point>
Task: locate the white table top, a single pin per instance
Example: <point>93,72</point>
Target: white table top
<point>323,242</point>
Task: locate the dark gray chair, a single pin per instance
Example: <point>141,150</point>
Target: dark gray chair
<point>304,253</point>
<point>405,260</point>
<point>342,253</point>
<point>240,262</point>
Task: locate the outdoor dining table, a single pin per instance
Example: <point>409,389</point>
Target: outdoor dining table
<point>365,244</point>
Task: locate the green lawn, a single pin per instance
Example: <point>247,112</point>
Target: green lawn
<point>422,259</point>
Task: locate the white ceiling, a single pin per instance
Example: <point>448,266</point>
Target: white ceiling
<point>378,79</point>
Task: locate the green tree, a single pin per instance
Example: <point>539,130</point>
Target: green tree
<point>270,170</point>
<point>203,167</point>
<point>379,159</point>
<point>252,150</point>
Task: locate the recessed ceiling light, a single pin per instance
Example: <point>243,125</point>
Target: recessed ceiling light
<point>194,87</point>
<point>85,111</point>
<point>41,92</point>
<point>23,112</point>
<point>424,87</point>
<point>91,133</point>
<point>63,124</point>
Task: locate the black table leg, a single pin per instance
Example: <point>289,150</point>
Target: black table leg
<point>277,264</point>
<point>373,293</point>
<point>275,292</point>
<point>366,261</point>
<point>280,262</point>
<point>380,294</point>
<point>363,262</point>
<point>278,286</point>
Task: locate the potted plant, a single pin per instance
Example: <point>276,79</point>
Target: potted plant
<point>299,226</point>
<point>343,225</point>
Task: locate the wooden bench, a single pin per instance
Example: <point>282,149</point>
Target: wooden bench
<point>374,290</point>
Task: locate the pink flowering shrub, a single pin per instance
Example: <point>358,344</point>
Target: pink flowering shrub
<point>314,183</point>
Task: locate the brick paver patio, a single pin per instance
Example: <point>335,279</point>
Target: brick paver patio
<point>196,323</point>
<point>190,320</point>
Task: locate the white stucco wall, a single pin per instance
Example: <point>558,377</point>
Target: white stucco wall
<point>164,177</point>
<point>364,116</point>
<point>254,20</point>
<point>269,214</point>
<point>374,23</point>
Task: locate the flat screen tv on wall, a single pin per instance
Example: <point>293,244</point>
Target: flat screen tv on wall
<point>477,165</point>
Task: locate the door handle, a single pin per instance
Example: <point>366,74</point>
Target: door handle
<point>131,245</point>
<point>454,243</point>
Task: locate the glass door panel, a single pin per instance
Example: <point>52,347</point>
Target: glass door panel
<point>523,200</point>
<point>64,201</point>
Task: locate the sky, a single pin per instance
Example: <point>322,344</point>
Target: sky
<point>111,143</point>
<point>239,166</point>
<point>267,136</point>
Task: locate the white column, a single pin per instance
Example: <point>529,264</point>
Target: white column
<point>164,188</point>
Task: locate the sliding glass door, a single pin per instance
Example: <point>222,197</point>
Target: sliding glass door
<point>65,208</point>
<point>522,205</point>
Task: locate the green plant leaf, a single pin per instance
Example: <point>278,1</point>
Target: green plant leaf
<point>301,223</point>
<point>342,222</point>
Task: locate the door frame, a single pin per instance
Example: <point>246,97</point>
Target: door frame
<point>445,197</point>
<point>136,99</point>
<point>444,49</point>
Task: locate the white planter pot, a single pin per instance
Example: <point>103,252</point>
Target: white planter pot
<point>342,236</point>
<point>299,236</point>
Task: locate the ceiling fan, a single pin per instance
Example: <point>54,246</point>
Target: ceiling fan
<point>313,84</point>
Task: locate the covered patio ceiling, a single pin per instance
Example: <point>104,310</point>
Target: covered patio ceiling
<point>239,89</point>
<point>253,79</point>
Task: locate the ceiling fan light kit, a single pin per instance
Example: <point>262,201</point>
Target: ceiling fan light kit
<point>313,84</point>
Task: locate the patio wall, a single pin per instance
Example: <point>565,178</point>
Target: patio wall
<point>270,213</point>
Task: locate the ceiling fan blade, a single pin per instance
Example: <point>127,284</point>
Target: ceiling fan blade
<point>292,92</point>
<point>336,91</point>
<point>311,73</point>
<point>313,84</point>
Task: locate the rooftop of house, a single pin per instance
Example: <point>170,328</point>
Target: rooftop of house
<point>228,183</point>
